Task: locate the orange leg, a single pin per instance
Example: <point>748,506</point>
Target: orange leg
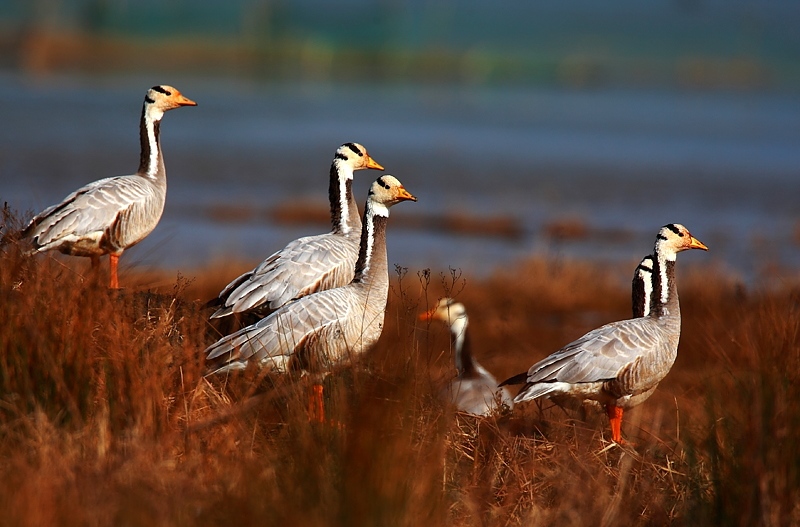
<point>615,418</point>
<point>113,259</point>
<point>316,405</point>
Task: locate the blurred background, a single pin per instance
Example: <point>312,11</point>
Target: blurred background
<point>563,128</point>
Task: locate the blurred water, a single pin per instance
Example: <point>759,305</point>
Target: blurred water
<point>723,163</point>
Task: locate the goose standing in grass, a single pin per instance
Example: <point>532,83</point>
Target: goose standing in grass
<point>311,263</point>
<point>474,390</point>
<point>115,213</point>
<point>620,364</point>
<point>319,331</point>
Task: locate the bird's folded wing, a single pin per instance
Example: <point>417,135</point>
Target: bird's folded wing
<point>599,355</point>
<point>306,265</point>
<point>92,208</point>
<point>285,331</point>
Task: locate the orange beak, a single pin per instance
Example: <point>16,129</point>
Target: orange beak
<point>694,243</point>
<point>428,315</point>
<point>404,195</point>
<point>179,100</point>
<point>371,163</point>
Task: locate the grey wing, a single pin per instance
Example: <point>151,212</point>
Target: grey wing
<point>305,266</point>
<point>599,355</point>
<point>91,209</point>
<point>273,341</point>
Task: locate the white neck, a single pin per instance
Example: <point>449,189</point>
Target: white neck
<point>664,255</point>
<point>364,263</point>
<point>648,293</point>
<point>152,116</point>
<point>465,362</point>
<point>458,327</point>
<point>345,173</point>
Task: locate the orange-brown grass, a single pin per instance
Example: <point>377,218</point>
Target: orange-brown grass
<point>105,418</point>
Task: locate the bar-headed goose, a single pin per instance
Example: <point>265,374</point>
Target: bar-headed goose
<point>619,364</point>
<point>113,214</point>
<point>474,390</point>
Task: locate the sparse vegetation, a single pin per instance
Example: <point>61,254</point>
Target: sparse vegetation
<point>105,418</point>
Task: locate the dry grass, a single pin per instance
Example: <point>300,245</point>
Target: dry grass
<point>106,420</point>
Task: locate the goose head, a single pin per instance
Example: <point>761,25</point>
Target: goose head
<point>355,157</point>
<point>447,310</point>
<point>674,238</point>
<point>163,98</point>
<point>385,192</point>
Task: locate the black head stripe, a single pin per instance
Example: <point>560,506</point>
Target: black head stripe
<point>642,267</point>
<point>674,229</point>
<point>382,182</point>
<point>147,99</point>
<point>338,155</point>
<point>354,148</point>
<point>160,89</point>
<point>661,237</point>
